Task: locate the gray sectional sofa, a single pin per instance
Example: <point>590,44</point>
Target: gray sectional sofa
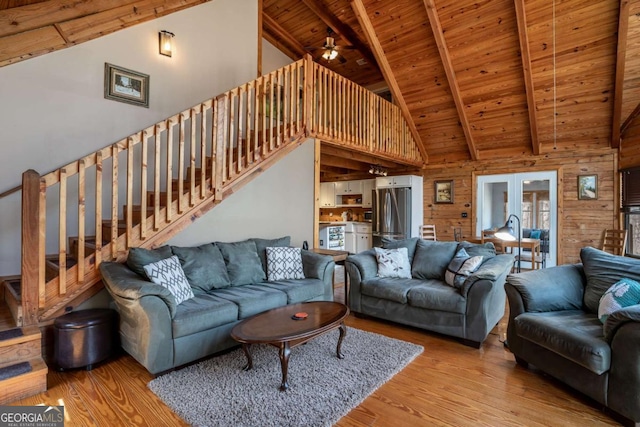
<point>425,301</point>
<point>229,283</point>
<point>554,325</point>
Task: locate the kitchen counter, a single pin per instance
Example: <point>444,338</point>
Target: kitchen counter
<point>328,223</point>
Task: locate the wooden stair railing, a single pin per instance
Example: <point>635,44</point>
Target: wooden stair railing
<point>163,177</point>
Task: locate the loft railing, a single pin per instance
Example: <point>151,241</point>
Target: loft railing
<point>139,190</point>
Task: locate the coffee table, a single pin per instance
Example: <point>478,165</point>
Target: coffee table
<point>277,328</point>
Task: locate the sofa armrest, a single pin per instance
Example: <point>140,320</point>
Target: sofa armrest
<point>317,266</point>
<point>365,263</point>
<point>123,283</point>
<point>548,289</point>
<point>619,318</point>
<point>494,269</point>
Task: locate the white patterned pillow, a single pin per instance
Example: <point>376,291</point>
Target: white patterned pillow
<point>284,263</point>
<point>461,266</point>
<point>393,263</point>
<point>622,294</point>
<point>168,273</point>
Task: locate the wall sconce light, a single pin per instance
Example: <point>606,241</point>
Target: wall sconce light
<point>166,42</point>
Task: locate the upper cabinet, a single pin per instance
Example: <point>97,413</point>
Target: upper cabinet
<point>347,188</point>
<point>367,192</point>
<point>394,181</point>
<point>327,195</point>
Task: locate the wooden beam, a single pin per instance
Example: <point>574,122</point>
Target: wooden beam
<point>623,30</point>
<point>528,77</point>
<point>346,33</point>
<point>316,192</point>
<point>274,29</point>
<point>331,150</point>
<point>438,33</point>
<point>385,68</point>
<point>341,162</point>
<point>630,119</point>
<point>259,70</point>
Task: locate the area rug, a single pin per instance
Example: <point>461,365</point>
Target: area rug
<point>322,388</point>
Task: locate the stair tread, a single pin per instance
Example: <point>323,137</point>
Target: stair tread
<point>28,333</point>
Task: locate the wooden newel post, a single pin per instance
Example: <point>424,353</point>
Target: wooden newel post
<point>32,265</point>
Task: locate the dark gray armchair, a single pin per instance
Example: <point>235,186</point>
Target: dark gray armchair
<point>553,326</point>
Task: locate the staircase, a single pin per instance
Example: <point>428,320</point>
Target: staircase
<point>22,369</point>
<point>144,189</point>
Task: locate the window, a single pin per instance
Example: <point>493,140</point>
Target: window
<point>631,209</point>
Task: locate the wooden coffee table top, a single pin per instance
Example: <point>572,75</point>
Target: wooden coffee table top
<point>277,326</point>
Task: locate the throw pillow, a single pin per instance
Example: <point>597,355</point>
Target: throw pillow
<point>203,266</point>
<point>284,264</point>
<point>262,244</point>
<point>486,250</point>
<point>393,263</point>
<point>431,259</point>
<point>139,257</point>
<point>410,244</point>
<point>461,267</point>
<point>624,293</point>
<point>168,273</point>
<point>535,234</point>
<point>242,261</point>
<point>602,270</point>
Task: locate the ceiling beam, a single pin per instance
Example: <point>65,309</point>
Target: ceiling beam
<point>341,162</point>
<point>329,150</point>
<point>346,33</point>
<point>385,68</point>
<point>523,36</point>
<point>631,118</point>
<point>623,30</point>
<point>273,29</point>
<point>438,33</point>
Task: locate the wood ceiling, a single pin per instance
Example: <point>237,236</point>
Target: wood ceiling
<point>479,79</point>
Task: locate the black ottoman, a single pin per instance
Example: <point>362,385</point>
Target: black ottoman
<point>84,337</point>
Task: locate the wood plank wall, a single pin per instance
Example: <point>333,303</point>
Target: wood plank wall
<point>630,145</point>
<point>581,222</point>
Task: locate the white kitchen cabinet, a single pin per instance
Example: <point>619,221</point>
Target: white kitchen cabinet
<point>347,188</point>
<point>327,195</point>
<point>363,238</point>
<point>394,181</point>
<point>367,196</point>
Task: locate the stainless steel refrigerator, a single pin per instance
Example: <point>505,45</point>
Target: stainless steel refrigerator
<point>391,214</point>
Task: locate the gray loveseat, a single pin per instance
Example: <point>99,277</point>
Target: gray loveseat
<point>554,325</point>
<point>425,300</point>
<point>229,284</point>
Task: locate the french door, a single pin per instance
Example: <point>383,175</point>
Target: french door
<point>531,196</point>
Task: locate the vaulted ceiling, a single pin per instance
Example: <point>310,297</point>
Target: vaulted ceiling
<point>479,78</point>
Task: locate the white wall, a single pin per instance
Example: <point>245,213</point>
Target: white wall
<point>278,203</point>
<point>53,111</point>
<point>273,58</point>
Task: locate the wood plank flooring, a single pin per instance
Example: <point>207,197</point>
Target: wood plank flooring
<point>449,384</point>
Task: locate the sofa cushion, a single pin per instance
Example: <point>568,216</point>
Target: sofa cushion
<point>624,293</point>
<point>461,267</point>
<point>435,295</point>
<point>263,244</point>
<point>391,289</point>
<point>535,234</point>
<point>253,299</point>
<point>204,266</point>
<point>573,334</point>
<point>202,312</point>
<point>168,274</point>
<point>602,271</point>
<point>284,263</point>
<point>485,250</point>
<point>298,290</point>
<point>432,258</point>
<point>393,262</point>
<point>242,261</point>
<point>139,257</point>
<point>410,244</point>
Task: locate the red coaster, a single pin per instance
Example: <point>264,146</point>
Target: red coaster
<point>300,316</point>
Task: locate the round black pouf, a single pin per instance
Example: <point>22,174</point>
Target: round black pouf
<point>83,338</point>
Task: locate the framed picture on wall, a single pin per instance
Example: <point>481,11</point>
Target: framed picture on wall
<point>587,187</point>
<point>443,191</point>
<point>121,84</point>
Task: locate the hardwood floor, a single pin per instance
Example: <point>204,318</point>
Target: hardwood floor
<point>449,384</point>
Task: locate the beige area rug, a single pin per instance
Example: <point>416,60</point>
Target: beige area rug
<point>322,388</point>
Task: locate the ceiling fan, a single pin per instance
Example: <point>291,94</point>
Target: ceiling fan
<point>330,50</point>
